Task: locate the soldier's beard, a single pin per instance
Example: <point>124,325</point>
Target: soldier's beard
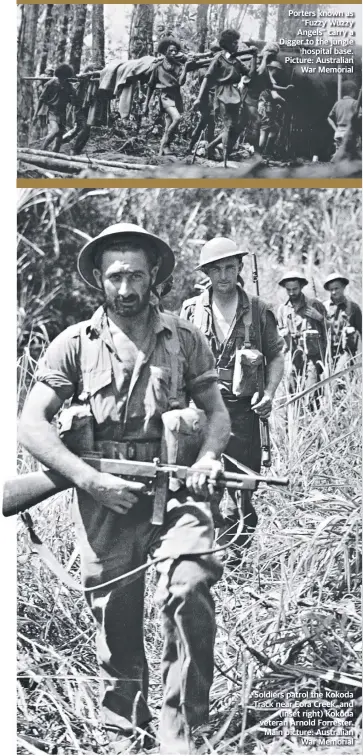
<point>128,307</point>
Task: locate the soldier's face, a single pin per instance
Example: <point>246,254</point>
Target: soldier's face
<point>336,289</point>
<point>224,274</point>
<point>294,290</point>
<point>126,280</point>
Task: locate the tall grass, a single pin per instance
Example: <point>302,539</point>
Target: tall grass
<point>288,617</point>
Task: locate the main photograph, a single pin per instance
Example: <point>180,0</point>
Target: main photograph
<point>233,90</point>
<point>189,470</point>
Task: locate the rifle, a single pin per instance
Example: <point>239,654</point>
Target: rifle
<point>264,424</point>
<point>93,76</point>
<point>24,491</point>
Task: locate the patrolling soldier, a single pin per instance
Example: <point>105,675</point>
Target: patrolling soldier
<point>242,334</point>
<point>302,323</point>
<point>125,368</point>
<point>344,320</point>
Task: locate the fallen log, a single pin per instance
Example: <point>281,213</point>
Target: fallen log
<point>88,161</point>
<point>43,173</point>
<point>70,166</point>
<point>51,163</point>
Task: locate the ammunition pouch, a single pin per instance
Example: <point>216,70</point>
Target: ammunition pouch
<point>349,339</point>
<point>76,428</point>
<point>245,373</point>
<point>311,343</point>
<point>136,449</point>
<point>182,435</point>
<point>307,342</point>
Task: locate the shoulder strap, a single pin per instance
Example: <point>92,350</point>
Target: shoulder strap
<point>200,316</point>
<point>247,320</point>
<point>84,363</point>
<point>349,308</point>
<point>173,347</point>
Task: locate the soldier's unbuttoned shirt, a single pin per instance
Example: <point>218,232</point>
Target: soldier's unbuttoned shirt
<point>82,362</point>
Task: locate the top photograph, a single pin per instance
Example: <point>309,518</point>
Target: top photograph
<point>245,91</point>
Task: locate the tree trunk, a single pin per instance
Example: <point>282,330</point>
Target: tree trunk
<point>79,25</point>
<point>263,21</point>
<point>63,35</point>
<point>26,54</point>
<point>141,31</point>
<point>281,21</point>
<point>222,18</point>
<point>202,26</point>
<point>46,38</point>
<point>98,36</point>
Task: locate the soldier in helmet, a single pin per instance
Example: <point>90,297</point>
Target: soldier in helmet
<point>242,334</point>
<point>344,320</point>
<point>125,368</point>
<point>302,323</point>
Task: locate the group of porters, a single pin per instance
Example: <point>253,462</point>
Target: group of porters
<point>259,99</point>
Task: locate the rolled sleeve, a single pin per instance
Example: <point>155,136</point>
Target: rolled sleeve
<point>58,368</point>
<point>272,341</point>
<point>200,362</point>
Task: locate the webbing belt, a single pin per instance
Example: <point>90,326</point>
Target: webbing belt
<point>140,450</point>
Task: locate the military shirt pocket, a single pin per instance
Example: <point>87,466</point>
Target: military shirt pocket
<point>158,390</point>
<point>97,389</point>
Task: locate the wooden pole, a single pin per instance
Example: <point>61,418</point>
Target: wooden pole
<point>75,167</point>
<point>86,161</point>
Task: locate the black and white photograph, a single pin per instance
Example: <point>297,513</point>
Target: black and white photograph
<point>189,470</point>
<point>189,90</point>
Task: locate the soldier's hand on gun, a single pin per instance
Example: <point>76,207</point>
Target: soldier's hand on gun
<point>114,492</point>
<point>263,407</point>
<point>202,483</point>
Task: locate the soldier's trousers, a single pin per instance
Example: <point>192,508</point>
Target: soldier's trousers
<point>187,608</point>
<point>244,446</point>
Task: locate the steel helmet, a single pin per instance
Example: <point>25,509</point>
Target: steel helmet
<point>218,249</point>
<point>293,275</point>
<point>335,277</point>
<point>86,256</point>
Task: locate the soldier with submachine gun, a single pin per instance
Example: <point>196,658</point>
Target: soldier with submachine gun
<point>141,442</point>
